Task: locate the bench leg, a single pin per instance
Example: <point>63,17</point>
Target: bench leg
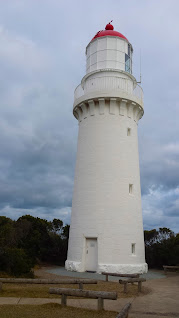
<point>125,288</point>
<point>64,300</point>
<point>100,303</point>
<point>0,286</point>
<point>80,285</point>
<point>139,287</point>
<point>106,278</point>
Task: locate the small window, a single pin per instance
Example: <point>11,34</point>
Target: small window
<point>128,131</point>
<point>130,188</point>
<point>127,63</point>
<point>133,248</point>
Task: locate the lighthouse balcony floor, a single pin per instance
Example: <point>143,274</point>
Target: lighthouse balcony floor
<point>109,86</point>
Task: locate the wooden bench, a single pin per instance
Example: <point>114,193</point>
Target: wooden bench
<point>124,312</point>
<point>127,281</point>
<point>100,295</point>
<point>80,282</point>
<point>166,267</point>
<point>119,275</point>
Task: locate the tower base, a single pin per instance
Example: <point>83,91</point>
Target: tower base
<point>110,268</point>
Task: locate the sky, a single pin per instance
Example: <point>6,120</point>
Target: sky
<point>42,60</point>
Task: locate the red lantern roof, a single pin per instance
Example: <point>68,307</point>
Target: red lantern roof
<point>109,31</point>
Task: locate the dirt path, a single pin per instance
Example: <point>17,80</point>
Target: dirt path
<point>162,300</point>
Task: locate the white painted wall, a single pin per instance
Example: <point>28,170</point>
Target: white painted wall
<point>106,52</point>
<point>107,162</point>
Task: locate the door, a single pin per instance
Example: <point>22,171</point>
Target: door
<point>91,254</point>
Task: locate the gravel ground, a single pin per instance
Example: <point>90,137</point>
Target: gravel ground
<point>61,271</point>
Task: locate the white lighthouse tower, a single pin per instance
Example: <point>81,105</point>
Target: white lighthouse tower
<point>106,232</point>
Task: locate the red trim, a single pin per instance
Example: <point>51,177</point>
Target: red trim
<point>109,26</point>
<point>109,33</point>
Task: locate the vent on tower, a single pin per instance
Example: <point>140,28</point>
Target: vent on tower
<point>133,248</point>
<point>128,131</point>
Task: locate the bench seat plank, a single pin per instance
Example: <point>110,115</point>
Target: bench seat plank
<point>83,293</point>
<point>135,275</point>
<point>47,281</point>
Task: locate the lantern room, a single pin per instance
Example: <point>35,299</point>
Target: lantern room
<point>109,49</point>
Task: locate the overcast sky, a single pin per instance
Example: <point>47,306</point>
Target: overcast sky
<point>42,60</point>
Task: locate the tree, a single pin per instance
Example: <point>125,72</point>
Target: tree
<point>7,232</point>
<point>57,225</point>
<point>150,237</point>
<point>66,232</point>
<point>30,240</point>
<point>34,237</point>
<point>162,247</point>
<point>16,262</point>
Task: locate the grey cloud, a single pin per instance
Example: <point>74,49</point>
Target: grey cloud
<point>38,158</point>
<point>45,213</point>
<point>42,59</point>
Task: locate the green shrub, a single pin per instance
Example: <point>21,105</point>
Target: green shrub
<point>16,262</point>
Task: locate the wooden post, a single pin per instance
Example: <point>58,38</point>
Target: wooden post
<point>80,285</point>
<point>100,303</point>
<point>64,300</point>
<point>106,278</point>
<point>125,287</point>
<point>139,287</point>
<point>124,312</point>
<point>132,280</point>
<point>0,286</point>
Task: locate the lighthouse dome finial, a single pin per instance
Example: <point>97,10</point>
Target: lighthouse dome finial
<point>109,26</point>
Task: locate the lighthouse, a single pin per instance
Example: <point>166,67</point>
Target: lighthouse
<point>106,231</point>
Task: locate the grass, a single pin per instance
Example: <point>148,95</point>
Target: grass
<point>51,310</point>
<point>42,291</point>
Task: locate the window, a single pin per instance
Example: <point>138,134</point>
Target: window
<point>130,188</point>
<point>128,60</point>
<point>127,63</point>
<point>133,248</point>
<point>128,131</point>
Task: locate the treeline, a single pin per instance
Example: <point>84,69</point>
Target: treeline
<point>32,240</point>
<point>29,241</point>
<point>161,247</point>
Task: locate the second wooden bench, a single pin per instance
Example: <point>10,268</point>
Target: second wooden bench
<point>80,282</point>
<point>119,275</point>
<point>127,281</point>
<point>100,295</point>
<point>167,267</point>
